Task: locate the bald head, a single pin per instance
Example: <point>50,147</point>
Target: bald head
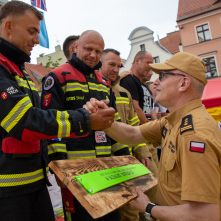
<point>90,47</point>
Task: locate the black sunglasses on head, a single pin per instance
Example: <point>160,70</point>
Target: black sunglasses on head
<point>167,72</point>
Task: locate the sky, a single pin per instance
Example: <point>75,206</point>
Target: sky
<point>113,19</point>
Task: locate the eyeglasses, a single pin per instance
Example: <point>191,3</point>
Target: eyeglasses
<point>166,72</point>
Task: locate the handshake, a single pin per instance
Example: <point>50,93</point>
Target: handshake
<point>101,115</point>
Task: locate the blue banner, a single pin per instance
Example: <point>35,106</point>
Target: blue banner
<point>43,35</point>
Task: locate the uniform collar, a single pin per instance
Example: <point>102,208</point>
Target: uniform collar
<point>179,113</point>
<point>81,66</point>
<point>13,53</point>
<point>113,83</point>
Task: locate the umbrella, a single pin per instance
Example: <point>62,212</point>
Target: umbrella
<point>212,98</point>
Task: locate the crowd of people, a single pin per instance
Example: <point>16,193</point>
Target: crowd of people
<point>89,110</point>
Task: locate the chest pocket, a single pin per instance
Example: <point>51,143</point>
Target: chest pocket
<point>169,172</point>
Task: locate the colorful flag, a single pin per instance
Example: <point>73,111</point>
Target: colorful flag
<point>43,35</point>
<point>39,4</point>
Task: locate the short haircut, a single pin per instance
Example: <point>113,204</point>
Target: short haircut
<point>140,55</point>
<point>17,8</point>
<point>68,42</point>
<point>197,85</point>
<point>109,50</point>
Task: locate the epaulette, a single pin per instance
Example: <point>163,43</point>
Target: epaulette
<point>164,132</point>
<point>187,124</point>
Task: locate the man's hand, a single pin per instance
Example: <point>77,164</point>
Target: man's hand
<point>140,203</point>
<point>101,115</point>
<point>92,105</point>
<point>102,118</point>
<point>146,162</point>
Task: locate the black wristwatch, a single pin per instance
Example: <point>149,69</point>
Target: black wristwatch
<point>148,211</point>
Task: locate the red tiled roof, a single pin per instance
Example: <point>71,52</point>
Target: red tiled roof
<point>37,69</point>
<point>189,8</point>
<point>171,42</point>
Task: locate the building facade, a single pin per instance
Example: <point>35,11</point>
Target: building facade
<point>200,30</point>
<point>142,39</point>
<point>58,54</point>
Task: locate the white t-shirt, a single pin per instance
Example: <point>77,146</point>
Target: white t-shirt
<point>161,108</point>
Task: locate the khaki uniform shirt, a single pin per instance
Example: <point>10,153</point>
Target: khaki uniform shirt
<point>190,167</point>
<point>128,115</point>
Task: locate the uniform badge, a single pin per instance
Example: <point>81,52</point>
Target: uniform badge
<point>4,95</point>
<point>164,132</point>
<point>47,100</point>
<point>100,136</point>
<point>49,82</point>
<point>187,124</point>
<point>197,147</point>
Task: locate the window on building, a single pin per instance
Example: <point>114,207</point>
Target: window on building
<point>203,32</point>
<point>156,59</point>
<point>142,47</point>
<point>211,70</point>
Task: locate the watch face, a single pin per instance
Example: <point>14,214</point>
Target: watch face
<point>147,216</point>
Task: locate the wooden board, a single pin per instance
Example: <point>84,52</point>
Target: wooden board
<point>110,199</point>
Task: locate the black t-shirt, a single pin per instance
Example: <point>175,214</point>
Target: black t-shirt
<point>139,92</point>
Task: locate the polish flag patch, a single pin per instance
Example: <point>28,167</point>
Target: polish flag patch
<point>197,147</point>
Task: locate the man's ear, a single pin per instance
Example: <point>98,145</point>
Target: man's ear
<point>184,84</point>
<point>8,26</point>
<point>76,47</point>
<point>137,60</point>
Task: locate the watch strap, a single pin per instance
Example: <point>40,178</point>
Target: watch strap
<point>149,207</point>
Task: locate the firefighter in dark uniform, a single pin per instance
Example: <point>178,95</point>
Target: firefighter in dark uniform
<point>74,83</point>
<point>24,127</point>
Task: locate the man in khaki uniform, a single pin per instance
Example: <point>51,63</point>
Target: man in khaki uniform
<point>189,184</point>
<point>111,63</point>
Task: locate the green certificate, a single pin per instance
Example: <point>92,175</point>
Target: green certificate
<point>98,180</point>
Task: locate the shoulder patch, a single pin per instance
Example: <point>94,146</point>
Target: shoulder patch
<point>164,132</point>
<point>123,94</point>
<point>187,124</point>
<point>197,147</point>
<point>49,82</point>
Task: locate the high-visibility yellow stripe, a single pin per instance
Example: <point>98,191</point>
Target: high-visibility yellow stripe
<point>122,100</point>
<point>56,148</point>
<point>103,150</point>
<point>116,116</point>
<point>64,125</point>
<point>139,145</point>
<point>66,119</point>
<point>60,125</point>
<point>118,146</point>
<point>86,154</point>
<point>17,112</point>
<point>75,87</point>
<point>21,179</point>
<point>134,120</point>
<point>23,83</point>
<point>98,87</point>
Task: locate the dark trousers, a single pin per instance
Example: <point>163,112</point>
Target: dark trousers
<point>81,214</point>
<point>34,206</point>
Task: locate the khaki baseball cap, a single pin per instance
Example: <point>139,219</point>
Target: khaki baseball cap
<point>185,62</point>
